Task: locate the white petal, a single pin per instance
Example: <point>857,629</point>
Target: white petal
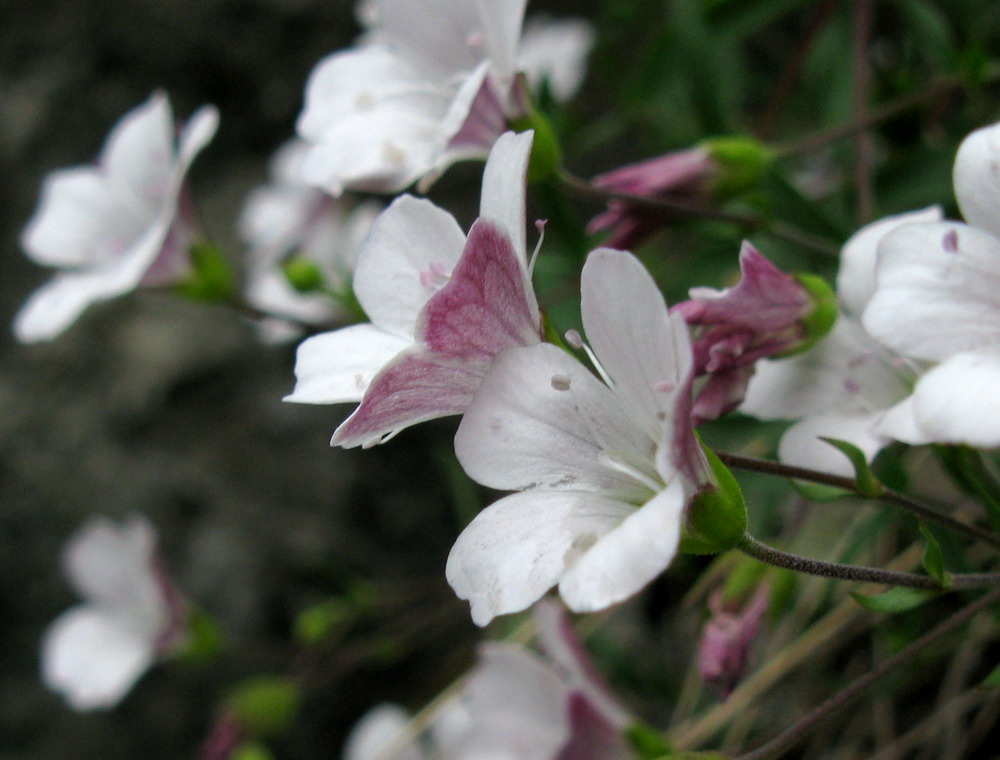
<point>541,420</point>
<point>957,401</point>
<point>900,423</point>
<point>112,564</point>
<point>801,444</point>
<point>380,730</point>
<point>138,157</point>
<point>501,24</point>
<point>518,548</point>
<point>856,279</point>
<point>337,366</point>
<point>411,241</point>
<point>628,557</point>
<point>646,352</point>
<point>977,178</point>
<point>93,658</point>
<point>504,180</point>
<point>938,291</point>
<point>442,37</point>
<point>556,50</point>
<point>846,372</point>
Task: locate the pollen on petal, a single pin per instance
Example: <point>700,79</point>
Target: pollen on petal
<point>561,382</point>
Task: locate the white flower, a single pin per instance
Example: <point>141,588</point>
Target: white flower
<point>938,300</point>
<point>848,386</point>
<point>556,50</point>
<point>604,471</point>
<point>116,225</point>
<point>95,652</point>
<point>442,306</point>
<point>432,82</point>
<point>288,218</point>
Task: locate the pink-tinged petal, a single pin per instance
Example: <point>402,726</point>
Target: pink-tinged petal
<point>487,306</point>
<point>414,387</point>
<point>592,735</point>
<point>519,547</point>
<point>560,641</point>
<point>381,734</point>
<point>504,180</point>
<point>977,178</point>
<point>93,657</point>
<point>413,247</point>
<point>727,637</point>
<point>856,278</point>
<point>938,291</point>
<point>645,351</point>
<point>541,420</point>
<point>338,366</point>
<point>625,559</point>
<point>556,51</point>
<point>957,401</point>
<point>801,444</point>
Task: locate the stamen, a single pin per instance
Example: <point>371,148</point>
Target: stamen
<point>618,464</point>
<point>597,365</point>
<point>540,226</point>
<point>573,339</point>
<point>561,382</point>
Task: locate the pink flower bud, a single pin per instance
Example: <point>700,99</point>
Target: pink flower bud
<point>727,637</point>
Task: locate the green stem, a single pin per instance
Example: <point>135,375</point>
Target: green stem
<point>769,467</point>
<point>793,734</point>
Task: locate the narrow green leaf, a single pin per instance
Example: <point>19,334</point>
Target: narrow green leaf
<point>894,600</point>
<point>820,492</point>
<point>933,558</point>
<point>868,484</point>
<point>991,681</point>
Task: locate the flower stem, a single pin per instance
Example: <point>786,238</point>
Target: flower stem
<point>793,734</point>
<point>769,467</point>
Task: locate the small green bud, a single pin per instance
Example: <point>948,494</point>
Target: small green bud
<point>741,163</point>
<point>303,275</point>
<point>265,705</point>
<point>204,640</point>
<point>251,751</point>
<point>315,623</point>
<point>211,277</point>
<point>717,516</point>
<point>817,323</point>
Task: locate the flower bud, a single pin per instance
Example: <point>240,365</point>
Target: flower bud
<point>727,637</point>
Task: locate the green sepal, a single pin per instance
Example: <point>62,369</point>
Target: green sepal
<point>818,322</point>
<point>210,277</point>
<point>251,751</point>
<point>717,515</point>
<point>303,275</point>
<point>205,638</point>
<point>647,742</point>
<point>868,485</point>
<point>315,623</point>
<point>265,706</point>
<point>899,599</point>
<point>741,162</point>
<point>933,558</point>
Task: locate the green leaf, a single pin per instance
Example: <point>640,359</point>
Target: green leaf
<point>648,742</point>
<point>868,485</point>
<point>991,681</point>
<point>265,705</point>
<point>933,558</point>
<point>894,600</point>
<point>820,492</point>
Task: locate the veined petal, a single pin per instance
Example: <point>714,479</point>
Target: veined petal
<point>487,305</point>
<point>977,178</point>
<point>938,291</point>
<point>957,401</point>
<point>412,245</point>
<point>856,278</point>
<point>338,366</point>
<point>646,352</point>
<point>628,557</point>
<point>518,548</point>
<point>540,420</point>
<point>93,657</point>
<point>504,180</point>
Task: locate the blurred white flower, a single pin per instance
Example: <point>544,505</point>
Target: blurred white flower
<point>116,225</point>
<point>287,219</point>
<point>95,652</point>
<point>431,82</point>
